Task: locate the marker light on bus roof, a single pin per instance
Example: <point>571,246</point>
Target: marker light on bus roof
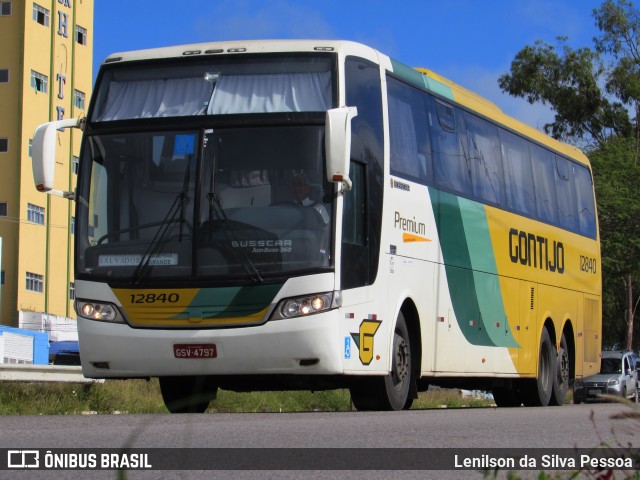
<point>211,77</point>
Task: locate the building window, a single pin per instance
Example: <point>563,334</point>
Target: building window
<point>5,9</point>
<point>75,163</point>
<point>4,145</point>
<point>41,15</point>
<point>4,75</point>
<point>39,82</point>
<point>81,35</point>
<point>35,214</point>
<point>35,282</point>
<point>78,99</point>
<point>3,209</point>
<point>72,291</point>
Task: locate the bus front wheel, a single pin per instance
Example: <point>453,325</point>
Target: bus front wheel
<point>190,394</point>
<point>393,391</point>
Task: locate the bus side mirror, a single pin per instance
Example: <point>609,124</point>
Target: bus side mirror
<point>337,143</point>
<point>43,153</point>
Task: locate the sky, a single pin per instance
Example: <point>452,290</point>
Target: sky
<point>471,42</point>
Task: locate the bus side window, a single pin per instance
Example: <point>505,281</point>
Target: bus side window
<point>451,162</point>
<point>586,206</point>
<point>567,205</point>
<point>486,160</point>
<point>409,132</point>
<point>544,177</point>
<point>518,174</point>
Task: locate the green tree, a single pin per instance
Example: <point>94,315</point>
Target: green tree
<point>619,23</point>
<point>616,172</point>
<point>592,92</point>
<point>568,81</point>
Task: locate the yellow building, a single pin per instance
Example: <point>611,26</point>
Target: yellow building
<point>45,74</point>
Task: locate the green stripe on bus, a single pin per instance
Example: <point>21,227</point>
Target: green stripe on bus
<point>421,80</point>
<point>485,273</point>
<point>225,302</point>
<point>472,274</point>
<point>458,267</point>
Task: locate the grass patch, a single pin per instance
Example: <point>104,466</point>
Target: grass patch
<point>141,396</point>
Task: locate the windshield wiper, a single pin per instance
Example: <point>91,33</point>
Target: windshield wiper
<point>177,208</point>
<point>215,209</point>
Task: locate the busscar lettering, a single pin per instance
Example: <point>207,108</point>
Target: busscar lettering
<point>536,251</point>
<point>261,243</point>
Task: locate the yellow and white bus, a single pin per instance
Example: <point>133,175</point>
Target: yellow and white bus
<point>273,215</point>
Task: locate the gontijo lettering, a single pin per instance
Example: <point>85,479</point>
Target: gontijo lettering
<point>536,251</point>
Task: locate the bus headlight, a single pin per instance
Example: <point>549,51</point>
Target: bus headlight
<point>102,312</point>
<point>306,305</point>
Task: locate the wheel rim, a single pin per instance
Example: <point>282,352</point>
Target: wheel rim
<point>563,366</point>
<point>402,362</point>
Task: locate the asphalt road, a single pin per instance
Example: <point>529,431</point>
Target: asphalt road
<point>554,428</point>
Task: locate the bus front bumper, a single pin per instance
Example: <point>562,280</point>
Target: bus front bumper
<point>305,346</point>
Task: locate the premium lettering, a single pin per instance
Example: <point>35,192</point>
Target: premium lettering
<point>409,225</point>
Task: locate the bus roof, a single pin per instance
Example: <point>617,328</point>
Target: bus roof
<point>421,77</point>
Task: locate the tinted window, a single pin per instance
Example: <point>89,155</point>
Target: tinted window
<point>518,174</point>
<point>565,188</point>
<point>452,170</point>
<point>585,200</point>
<point>363,90</point>
<point>544,177</point>
<point>486,160</point>
<point>355,208</point>
<point>409,131</point>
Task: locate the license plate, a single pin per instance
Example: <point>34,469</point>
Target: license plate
<point>595,392</point>
<point>195,350</point>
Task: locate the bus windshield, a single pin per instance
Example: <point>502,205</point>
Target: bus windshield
<point>173,185</point>
<point>244,203</point>
<point>216,87</point>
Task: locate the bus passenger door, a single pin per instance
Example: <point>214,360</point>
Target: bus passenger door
<point>355,246</point>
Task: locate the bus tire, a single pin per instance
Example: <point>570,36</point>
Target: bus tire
<point>393,391</point>
<point>537,391</point>
<point>561,378</point>
<point>189,394</point>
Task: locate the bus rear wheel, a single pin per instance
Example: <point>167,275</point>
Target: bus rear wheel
<point>191,394</point>
<point>537,392</point>
<point>393,391</point>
